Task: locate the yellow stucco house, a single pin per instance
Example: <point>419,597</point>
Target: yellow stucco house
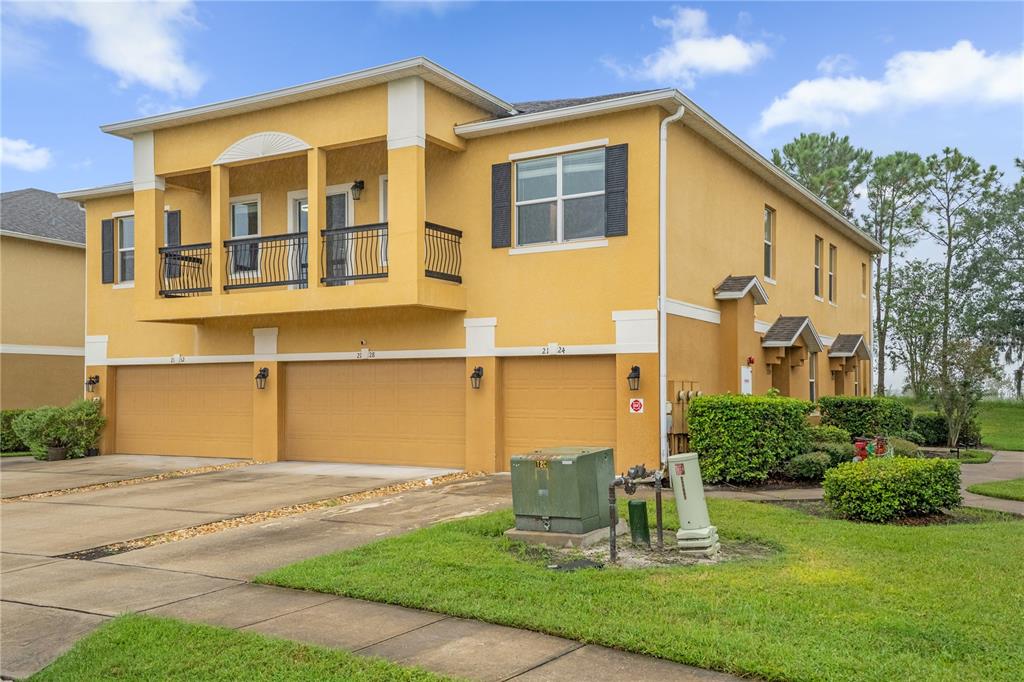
<point>396,266</point>
<point>42,299</point>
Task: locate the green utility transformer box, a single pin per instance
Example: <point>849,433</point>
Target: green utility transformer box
<point>562,490</point>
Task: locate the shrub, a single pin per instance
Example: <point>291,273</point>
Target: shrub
<point>838,453</point>
<point>808,467</point>
<point>865,415</point>
<point>903,448</point>
<point>43,427</point>
<point>933,430</point>
<point>741,438</point>
<point>823,433</point>
<point>913,436</point>
<point>84,422</point>
<point>9,440</point>
<point>886,488</point>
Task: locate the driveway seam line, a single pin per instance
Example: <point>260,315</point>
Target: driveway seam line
<point>549,659</point>
<point>194,596</point>
<point>58,608</point>
<point>332,597</point>
<point>443,618</point>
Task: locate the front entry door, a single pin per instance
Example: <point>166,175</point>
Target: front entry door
<point>299,258</point>
<point>339,247</point>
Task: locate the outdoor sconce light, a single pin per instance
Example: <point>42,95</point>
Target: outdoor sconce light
<point>634,378</point>
<point>261,378</point>
<point>90,383</point>
<point>357,189</point>
<point>474,378</point>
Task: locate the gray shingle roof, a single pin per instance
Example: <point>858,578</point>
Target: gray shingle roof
<point>737,286</point>
<point>549,104</point>
<point>848,345</point>
<point>787,329</point>
<point>38,213</point>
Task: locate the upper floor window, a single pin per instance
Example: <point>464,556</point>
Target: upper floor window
<point>863,279</point>
<point>819,246</point>
<point>831,273</point>
<point>769,243</point>
<point>126,249</point>
<point>560,198</point>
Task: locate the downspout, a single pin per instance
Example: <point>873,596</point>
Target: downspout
<point>663,283</point>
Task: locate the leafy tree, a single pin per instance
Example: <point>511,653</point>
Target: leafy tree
<point>917,322</point>
<point>958,190</point>
<point>959,389</point>
<point>894,219</point>
<point>827,165</point>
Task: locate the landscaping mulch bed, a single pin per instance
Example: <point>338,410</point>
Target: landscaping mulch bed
<point>633,556</point>
<point>260,517</point>
<point>949,517</point>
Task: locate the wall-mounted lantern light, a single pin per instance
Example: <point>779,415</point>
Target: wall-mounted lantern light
<point>261,378</point>
<point>90,383</point>
<point>357,189</point>
<point>474,378</point>
<point>634,378</point>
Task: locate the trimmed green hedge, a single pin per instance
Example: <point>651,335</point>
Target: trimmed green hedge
<point>823,433</point>
<point>808,467</point>
<point>838,453</point>
<point>933,430</point>
<point>9,439</point>
<point>865,415</point>
<point>741,438</point>
<point>76,427</point>
<point>887,488</point>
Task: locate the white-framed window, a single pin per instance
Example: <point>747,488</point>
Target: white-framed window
<point>832,257</point>
<point>245,222</point>
<point>769,243</point>
<point>864,279</point>
<point>383,208</point>
<point>856,381</point>
<point>812,377</point>
<point>819,247</point>
<point>560,198</point>
<point>125,248</point>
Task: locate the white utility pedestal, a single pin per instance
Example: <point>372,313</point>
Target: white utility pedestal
<point>695,534</point>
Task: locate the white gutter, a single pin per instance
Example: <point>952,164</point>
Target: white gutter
<point>663,283</point>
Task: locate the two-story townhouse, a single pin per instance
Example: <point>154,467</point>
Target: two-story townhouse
<point>42,299</point>
<point>396,266</point>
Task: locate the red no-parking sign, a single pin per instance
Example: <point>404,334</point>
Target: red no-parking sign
<point>636,406</point>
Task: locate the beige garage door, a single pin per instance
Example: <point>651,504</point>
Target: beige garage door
<point>200,410</point>
<point>551,401</point>
<point>377,411</point>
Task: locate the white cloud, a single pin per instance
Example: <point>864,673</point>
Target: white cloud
<point>960,74</point>
<point>141,42</point>
<point>24,155</point>
<point>836,64</point>
<point>436,7</point>
<point>693,51</point>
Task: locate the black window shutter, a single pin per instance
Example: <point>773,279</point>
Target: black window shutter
<point>616,185</point>
<point>107,250</point>
<point>501,205</point>
<point>172,228</point>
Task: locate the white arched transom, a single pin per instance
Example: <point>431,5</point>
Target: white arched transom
<point>260,145</point>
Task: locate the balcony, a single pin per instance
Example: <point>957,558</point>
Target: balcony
<point>351,260</point>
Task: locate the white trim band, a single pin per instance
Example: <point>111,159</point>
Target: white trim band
<point>30,349</point>
<point>576,146</point>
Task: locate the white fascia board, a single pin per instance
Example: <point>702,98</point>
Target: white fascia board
<point>44,240</point>
<point>98,192</point>
<point>692,311</point>
<point>417,66</point>
<point>32,349</point>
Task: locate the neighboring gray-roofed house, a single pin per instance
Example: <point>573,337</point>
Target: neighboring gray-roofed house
<point>41,215</point>
<point>786,331</point>
<point>738,286</point>
<point>848,346</point>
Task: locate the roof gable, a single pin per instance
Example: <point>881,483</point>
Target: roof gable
<point>848,346</point>
<point>788,329</point>
<point>36,213</point>
<point>738,286</point>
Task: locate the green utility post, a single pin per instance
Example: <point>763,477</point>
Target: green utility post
<point>639,529</point>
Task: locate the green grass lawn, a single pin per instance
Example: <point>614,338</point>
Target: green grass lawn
<point>974,457</point>
<point>1004,490</point>
<point>147,648</point>
<point>838,601</point>
<point>1002,424</point>
<point>15,454</point>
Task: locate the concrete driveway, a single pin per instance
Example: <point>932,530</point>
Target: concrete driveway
<point>49,602</point>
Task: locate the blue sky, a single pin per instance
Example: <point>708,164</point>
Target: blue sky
<point>914,76</point>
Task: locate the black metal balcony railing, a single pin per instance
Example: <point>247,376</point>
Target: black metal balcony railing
<point>348,254</point>
<point>443,256</point>
<point>271,261</point>
<point>185,270</point>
